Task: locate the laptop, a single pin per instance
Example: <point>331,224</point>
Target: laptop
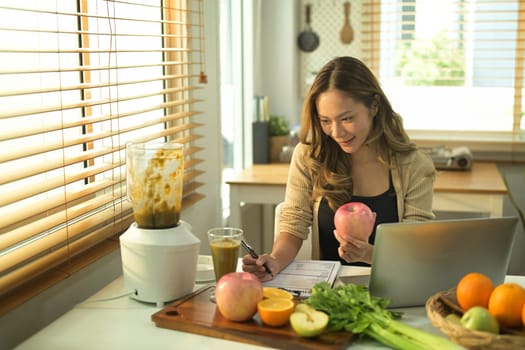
<point>414,260</point>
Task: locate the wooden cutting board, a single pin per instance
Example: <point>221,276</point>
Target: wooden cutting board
<point>197,314</point>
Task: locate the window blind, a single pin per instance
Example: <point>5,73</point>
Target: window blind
<point>78,80</point>
<point>452,65</point>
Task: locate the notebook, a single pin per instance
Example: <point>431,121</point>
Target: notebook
<point>300,276</point>
<point>414,260</point>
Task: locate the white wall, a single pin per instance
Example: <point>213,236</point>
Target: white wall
<point>208,212</point>
<point>279,71</point>
<point>27,319</point>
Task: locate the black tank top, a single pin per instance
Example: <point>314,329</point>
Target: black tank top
<point>385,207</point>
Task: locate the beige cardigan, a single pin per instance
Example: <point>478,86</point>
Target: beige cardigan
<point>413,176</point>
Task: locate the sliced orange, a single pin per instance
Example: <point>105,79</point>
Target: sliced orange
<point>272,292</point>
<point>275,312</point>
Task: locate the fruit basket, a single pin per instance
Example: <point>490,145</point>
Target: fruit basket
<point>441,304</point>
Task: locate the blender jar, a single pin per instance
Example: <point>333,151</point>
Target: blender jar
<point>154,183</point>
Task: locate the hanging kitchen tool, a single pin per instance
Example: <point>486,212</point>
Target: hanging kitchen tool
<point>308,40</point>
<point>347,33</point>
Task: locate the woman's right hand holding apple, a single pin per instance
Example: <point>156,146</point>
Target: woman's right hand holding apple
<point>353,249</point>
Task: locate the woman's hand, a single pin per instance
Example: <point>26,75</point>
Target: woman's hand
<point>354,250</point>
<point>256,266</point>
<point>284,251</point>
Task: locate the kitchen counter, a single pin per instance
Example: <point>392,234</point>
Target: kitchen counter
<point>110,319</point>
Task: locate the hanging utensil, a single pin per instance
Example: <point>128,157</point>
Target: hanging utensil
<point>347,33</point>
<point>308,40</point>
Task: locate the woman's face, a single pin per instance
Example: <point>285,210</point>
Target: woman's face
<point>346,121</point>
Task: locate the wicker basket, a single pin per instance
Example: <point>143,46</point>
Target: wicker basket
<point>439,305</point>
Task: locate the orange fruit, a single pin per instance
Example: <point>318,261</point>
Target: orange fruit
<point>275,312</point>
<point>523,315</point>
<point>272,292</point>
<point>474,289</point>
<point>506,304</point>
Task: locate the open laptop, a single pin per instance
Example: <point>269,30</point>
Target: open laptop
<point>414,260</point>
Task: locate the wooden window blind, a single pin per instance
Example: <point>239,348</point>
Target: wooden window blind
<point>78,80</point>
<point>451,65</point>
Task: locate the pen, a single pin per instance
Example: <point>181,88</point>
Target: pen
<point>295,293</point>
<point>254,255</point>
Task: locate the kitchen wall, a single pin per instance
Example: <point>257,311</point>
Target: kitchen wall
<point>278,74</point>
<point>285,72</point>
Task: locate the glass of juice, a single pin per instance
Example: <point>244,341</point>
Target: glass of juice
<point>224,245</point>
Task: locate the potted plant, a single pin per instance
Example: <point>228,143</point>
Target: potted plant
<point>279,136</point>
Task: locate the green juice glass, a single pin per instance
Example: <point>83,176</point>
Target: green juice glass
<point>225,244</point>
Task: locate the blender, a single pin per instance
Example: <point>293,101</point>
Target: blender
<point>159,252</point>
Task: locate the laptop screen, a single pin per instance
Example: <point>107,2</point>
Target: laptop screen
<point>414,260</point>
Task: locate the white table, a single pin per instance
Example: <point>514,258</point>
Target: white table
<point>480,190</point>
<point>104,322</point>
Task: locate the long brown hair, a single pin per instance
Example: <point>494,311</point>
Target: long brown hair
<point>332,173</point>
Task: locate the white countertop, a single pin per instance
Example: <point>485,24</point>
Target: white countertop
<point>110,319</point>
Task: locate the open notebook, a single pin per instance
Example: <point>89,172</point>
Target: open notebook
<point>300,276</point>
<point>412,261</point>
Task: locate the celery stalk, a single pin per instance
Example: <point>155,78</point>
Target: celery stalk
<point>393,340</point>
<point>352,308</point>
<point>432,341</point>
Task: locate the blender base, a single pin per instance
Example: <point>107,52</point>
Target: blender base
<point>159,265</point>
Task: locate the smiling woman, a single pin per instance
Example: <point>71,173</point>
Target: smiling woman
<point>80,79</point>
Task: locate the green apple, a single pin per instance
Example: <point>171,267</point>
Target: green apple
<point>453,318</point>
<point>479,318</point>
<point>307,321</point>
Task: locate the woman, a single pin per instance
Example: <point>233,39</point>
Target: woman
<point>352,148</point>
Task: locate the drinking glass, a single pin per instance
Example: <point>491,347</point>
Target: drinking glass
<point>224,245</point>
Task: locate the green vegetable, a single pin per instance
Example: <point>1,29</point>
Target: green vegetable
<point>352,308</point>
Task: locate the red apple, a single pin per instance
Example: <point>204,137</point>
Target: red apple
<point>237,295</point>
<point>354,219</point>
